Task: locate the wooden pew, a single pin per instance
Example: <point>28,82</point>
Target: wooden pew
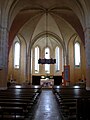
<point>18,101</point>
<point>73,101</point>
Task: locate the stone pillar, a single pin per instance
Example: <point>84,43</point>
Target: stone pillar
<point>26,69</point>
<point>87,50</point>
<point>29,68</point>
<point>3,57</point>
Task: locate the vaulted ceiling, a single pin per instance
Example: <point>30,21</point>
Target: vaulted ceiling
<point>29,13</point>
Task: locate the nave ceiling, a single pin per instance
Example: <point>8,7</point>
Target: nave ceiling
<point>27,18</point>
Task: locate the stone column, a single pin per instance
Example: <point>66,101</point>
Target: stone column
<point>87,50</point>
<point>3,57</point>
<point>29,68</point>
<point>26,68</point>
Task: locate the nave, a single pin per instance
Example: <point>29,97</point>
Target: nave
<point>28,102</point>
<point>47,108</point>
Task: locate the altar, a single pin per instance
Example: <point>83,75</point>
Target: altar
<point>47,83</point>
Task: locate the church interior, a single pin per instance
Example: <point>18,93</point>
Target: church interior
<point>45,59</point>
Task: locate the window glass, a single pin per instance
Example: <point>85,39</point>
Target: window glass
<point>36,59</point>
<point>47,56</point>
<point>17,55</point>
<point>57,56</point>
<point>77,54</point>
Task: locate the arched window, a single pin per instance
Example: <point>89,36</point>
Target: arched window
<point>36,59</point>
<point>77,54</point>
<point>47,56</point>
<point>17,55</point>
<point>57,57</point>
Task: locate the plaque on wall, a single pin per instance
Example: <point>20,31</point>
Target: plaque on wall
<point>67,73</point>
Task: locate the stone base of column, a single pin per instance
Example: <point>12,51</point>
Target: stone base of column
<point>88,78</point>
<point>87,88</point>
<point>3,88</point>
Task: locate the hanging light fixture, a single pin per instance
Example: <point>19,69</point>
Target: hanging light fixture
<point>46,30</point>
<point>44,60</point>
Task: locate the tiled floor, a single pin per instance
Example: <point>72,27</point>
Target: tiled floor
<point>47,108</point>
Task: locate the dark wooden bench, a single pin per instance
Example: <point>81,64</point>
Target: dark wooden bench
<point>16,102</point>
<point>73,101</point>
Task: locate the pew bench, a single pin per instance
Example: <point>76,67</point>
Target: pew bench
<point>18,103</point>
<point>74,102</point>
<point>12,113</point>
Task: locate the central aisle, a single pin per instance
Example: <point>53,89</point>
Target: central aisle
<point>47,108</point>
